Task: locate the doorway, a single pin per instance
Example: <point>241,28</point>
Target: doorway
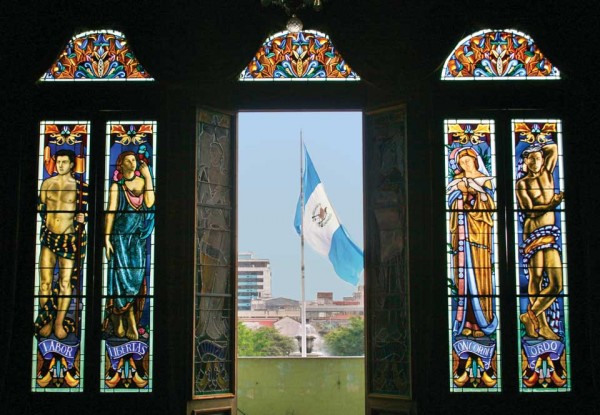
<point>269,286</point>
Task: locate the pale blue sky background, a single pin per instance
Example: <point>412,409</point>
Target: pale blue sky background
<point>269,186</point>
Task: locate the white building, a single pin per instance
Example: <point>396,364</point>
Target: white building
<point>254,279</point>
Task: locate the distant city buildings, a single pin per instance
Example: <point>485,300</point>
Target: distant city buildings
<point>257,308</point>
<point>255,299</point>
<point>326,308</point>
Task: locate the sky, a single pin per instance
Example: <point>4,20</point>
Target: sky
<point>269,187</point>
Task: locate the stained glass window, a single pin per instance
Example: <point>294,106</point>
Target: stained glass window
<point>102,55</point>
<point>214,316</point>
<point>540,234</point>
<point>128,261</point>
<point>387,325</point>
<point>303,55</point>
<point>59,293</point>
<point>472,279</point>
<point>498,54</point>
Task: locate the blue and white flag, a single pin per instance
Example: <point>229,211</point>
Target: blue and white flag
<point>322,229</point>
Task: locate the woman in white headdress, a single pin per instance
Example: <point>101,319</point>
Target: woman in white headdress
<point>470,198</point>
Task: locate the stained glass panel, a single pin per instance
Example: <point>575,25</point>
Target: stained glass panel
<point>304,55</point>
<point>472,279</point>
<point>102,55</point>
<point>540,243</point>
<point>386,254</point>
<point>128,261</point>
<point>498,54</point>
<point>214,315</point>
<point>59,299</point>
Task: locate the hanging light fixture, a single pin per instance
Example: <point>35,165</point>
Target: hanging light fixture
<point>292,6</point>
<point>294,25</point>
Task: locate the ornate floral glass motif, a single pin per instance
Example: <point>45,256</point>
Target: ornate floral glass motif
<point>128,261</point>
<point>540,233</point>
<point>472,256</point>
<point>102,55</point>
<point>498,54</point>
<point>304,55</point>
<point>59,298</point>
<point>214,315</point>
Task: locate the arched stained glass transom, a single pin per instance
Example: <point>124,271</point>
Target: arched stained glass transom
<point>303,55</point>
<point>101,55</point>
<point>498,54</point>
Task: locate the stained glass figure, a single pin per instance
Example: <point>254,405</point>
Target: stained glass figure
<point>128,262</point>
<point>541,255</point>
<point>472,256</point>
<point>303,55</point>
<point>102,55</point>
<point>498,54</point>
<point>59,298</point>
<point>214,317</point>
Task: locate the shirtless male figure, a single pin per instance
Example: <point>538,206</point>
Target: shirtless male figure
<point>59,239</point>
<point>537,199</point>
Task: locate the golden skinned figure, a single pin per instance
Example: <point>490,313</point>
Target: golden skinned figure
<point>537,200</point>
<point>58,202</point>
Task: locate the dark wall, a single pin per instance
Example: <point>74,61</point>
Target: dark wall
<point>196,51</point>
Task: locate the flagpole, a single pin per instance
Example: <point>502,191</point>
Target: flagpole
<point>303,300</point>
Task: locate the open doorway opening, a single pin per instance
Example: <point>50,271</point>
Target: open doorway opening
<point>269,246</point>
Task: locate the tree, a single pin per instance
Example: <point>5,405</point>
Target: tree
<point>265,341</point>
<point>347,341</point>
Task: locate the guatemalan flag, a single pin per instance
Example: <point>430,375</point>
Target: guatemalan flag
<point>322,229</point>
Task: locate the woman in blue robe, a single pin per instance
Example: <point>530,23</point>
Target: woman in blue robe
<point>129,223</point>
